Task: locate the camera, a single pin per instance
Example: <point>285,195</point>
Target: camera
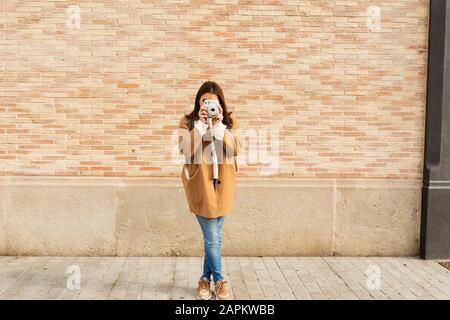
<point>213,107</point>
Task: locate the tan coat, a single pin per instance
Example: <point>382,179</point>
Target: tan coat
<point>197,171</point>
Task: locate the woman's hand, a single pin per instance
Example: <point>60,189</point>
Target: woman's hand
<point>203,114</point>
<point>219,117</point>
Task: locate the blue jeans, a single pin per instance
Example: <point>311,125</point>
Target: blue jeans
<point>212,236</point>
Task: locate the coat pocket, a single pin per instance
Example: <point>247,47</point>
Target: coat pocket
<point>192,180</point>
<point>190,171</point>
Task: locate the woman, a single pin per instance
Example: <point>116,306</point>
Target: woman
<point>208,147</point>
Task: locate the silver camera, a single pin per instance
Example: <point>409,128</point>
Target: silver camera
<point>213,107</point>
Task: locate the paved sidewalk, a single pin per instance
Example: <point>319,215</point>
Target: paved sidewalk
<point>249,277</point>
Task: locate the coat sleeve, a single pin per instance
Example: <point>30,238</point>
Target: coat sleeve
<point>232,141</point>
<point>189,141</point>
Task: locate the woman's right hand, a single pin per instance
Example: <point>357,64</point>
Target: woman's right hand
<point>203,114</point>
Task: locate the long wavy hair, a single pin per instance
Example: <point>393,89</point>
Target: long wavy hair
<point>210,87</point>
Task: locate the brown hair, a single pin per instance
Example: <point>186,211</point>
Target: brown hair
<point>210,87</point>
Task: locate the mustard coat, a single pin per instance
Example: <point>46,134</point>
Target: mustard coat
<point>203,197</point>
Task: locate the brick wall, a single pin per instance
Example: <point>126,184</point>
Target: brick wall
<point>345,98</point>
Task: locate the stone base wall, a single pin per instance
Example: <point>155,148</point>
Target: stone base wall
<point>93,216</point>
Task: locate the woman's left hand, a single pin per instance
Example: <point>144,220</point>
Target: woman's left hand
<point>219,117</point>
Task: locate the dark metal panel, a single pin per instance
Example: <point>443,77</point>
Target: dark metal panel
<point>435,215</point>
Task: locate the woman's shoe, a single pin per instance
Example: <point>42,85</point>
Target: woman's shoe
<point>204,289</point>
<point>222,290</point>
